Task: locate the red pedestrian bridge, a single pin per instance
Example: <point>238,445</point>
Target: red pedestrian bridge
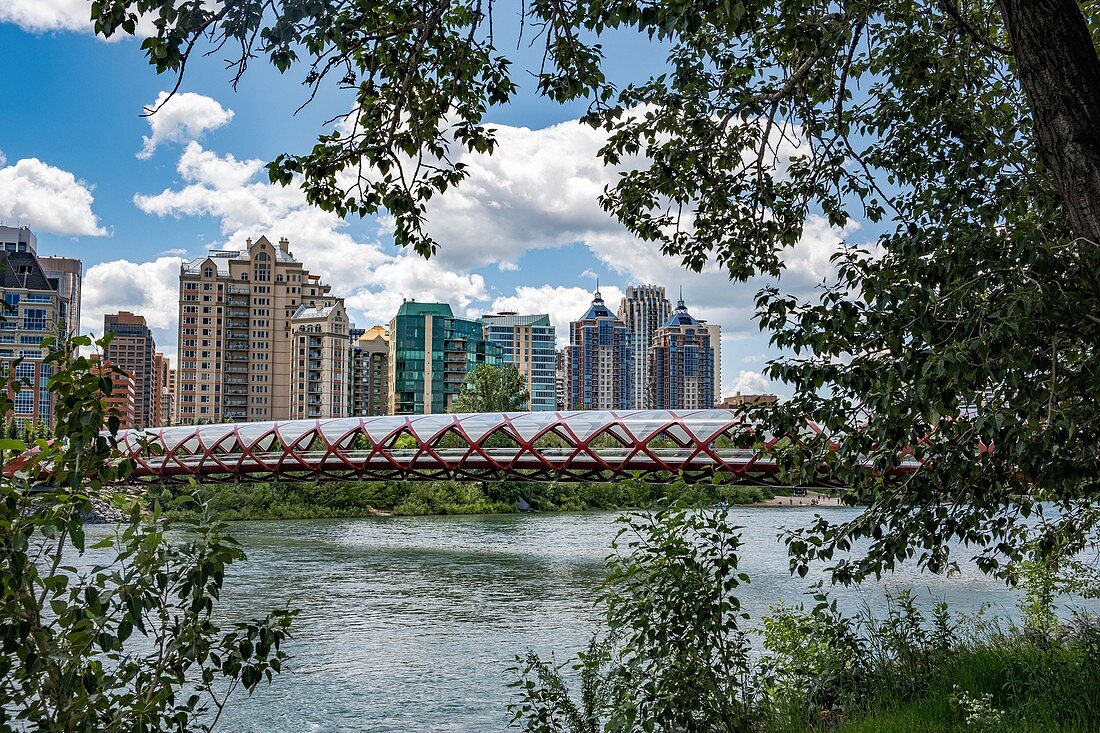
<point>658,445</point>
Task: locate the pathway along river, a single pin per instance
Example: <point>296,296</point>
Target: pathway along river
<point>409,624</point>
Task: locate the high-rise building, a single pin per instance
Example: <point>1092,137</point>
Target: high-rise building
<point>368,380</point>
<point>69,274</point>
<point>527,342</point>
<point>123,397</point>
<point>431,351</point>
<point>33,309</point>
<point>319,375</point>
<point>681,364</point>
<point>168,395</point>
<point>133,350</point>
<point>598,359</point>
<point>561,379</point>
<point>643,310</point>
<point>715,331</point>
<point>236,349</point>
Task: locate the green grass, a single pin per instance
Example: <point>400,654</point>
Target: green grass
<point>1038,687</point>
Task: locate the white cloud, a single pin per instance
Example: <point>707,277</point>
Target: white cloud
<point>749,382</point>
<point>47,15</point>
<point>47,199</point>
<point>372,280</point>
<point>233,192</point>
<point>183,117</point>
<point>150,289</point>
<point>563,304</point>
<point>40,16</point>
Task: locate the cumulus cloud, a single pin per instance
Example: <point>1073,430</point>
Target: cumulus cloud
<point>41,16</point>
<point>234,192</point>
<point>148,288</point>
<point>47,199</point>
<point>563,304</point>
<point>749,382</point>
<point>372,280</point>
<point>540,189</point>
<point>180,118</point>
<point>46,15</point>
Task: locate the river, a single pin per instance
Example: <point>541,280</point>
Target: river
<point>410,624</point>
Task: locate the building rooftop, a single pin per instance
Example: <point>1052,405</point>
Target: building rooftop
<point>681,317</point>
<point>597,309</point>
<point>310,310</point>
<point>510,318</point>
<point>412,308</point>
<point>22,270</point>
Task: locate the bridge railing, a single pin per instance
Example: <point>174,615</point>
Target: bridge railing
<point>538,446</point>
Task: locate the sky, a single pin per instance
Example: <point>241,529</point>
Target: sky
<point>134,196</point>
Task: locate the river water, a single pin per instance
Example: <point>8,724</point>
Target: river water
<point>410,624</point>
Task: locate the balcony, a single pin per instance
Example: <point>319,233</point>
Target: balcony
<point>238,312</point>
<point>235,402</point>
<point>236,357</point>
<point>237,380</point>
<point>237,346</point>
<point>237,323</point>
<point>239,290</point>
<point>238,302</point>
<point>236,370</point>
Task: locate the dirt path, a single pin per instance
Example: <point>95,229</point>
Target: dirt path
<point>795,501</point>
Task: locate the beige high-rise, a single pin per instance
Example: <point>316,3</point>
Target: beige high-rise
<point>235,342</point>
<point>319,330</point>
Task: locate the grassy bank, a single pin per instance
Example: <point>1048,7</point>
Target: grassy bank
<point>358,499</point>
<point>1008,683</point>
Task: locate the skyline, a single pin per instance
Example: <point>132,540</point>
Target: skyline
<point>141,195</point>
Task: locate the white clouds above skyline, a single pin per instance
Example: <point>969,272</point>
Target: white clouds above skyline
<point>47,199</point>
<point>180,118</point>
<point>538,192</point>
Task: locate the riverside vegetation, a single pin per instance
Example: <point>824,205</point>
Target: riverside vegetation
<point>677,653</point>
<point>288,500</point>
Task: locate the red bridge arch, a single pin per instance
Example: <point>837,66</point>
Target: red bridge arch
<point>531,446</point>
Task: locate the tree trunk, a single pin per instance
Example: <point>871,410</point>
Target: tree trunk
<point>1060,73</point>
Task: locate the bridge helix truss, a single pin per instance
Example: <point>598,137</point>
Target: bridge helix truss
<point>530,446</point>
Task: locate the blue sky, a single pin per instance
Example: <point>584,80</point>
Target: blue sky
<point>524,233</point>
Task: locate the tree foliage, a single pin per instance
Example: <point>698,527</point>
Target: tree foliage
<point>964,134</point>
<point>491,388</point>
<point>119,635</point>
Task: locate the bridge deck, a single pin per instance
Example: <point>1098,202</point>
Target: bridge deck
<point>533,446</point>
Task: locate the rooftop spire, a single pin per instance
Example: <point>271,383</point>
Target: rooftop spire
<point>597,298</point>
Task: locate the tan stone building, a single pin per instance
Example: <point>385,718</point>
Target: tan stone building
<point>741,400</point>
<point>236,349</point>
<point>319,329</point>
<point>368,373</point>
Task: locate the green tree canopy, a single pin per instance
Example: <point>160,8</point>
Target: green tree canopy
<point>965,133</point>
<point>492,388</point>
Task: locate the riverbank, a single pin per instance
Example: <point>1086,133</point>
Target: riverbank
<point>334,500</point>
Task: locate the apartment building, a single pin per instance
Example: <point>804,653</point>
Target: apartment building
<point>133,350</point>
<point>368,373</point>
<point>319,330</point>
<point>123,399</point>
<point>237,352</point>
<point>643,310</point>
<point>430,353</point>
<point>34,308</point>
<point>69,274</point>
<point>598,360</point>
<point>528,342</point>
<point>681,364</point>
